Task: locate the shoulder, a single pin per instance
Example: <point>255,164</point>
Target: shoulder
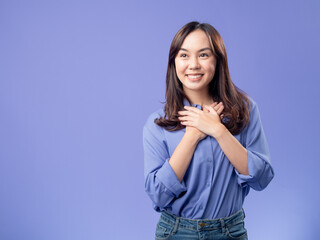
<point>150,124</point>
<point>254,116</point>
<point>253,107</point>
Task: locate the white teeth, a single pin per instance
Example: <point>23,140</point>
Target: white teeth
<point>195,76</point>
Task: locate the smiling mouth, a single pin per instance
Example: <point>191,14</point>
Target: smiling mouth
<point>194,77</point>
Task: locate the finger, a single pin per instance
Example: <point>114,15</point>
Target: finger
<point>187,113</point>
<point>219,111</point>
<point>218,106</point>
<point>187,123</point>
<point>193,109</point>
<point>187,118</point>
<point>206,110</point>
<point>214,104</point>
<point>211,109</point>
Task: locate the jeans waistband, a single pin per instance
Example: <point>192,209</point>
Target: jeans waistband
<point>200,224</point>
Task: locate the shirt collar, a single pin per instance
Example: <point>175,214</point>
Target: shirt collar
<point>186,103</point>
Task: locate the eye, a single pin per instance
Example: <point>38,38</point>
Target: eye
<point>204,55</point>
<point>183,55</point>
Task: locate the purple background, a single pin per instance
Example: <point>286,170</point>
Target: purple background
<point>78,80</point>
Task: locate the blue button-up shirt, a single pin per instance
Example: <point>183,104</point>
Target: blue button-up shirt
<point>211,188</point>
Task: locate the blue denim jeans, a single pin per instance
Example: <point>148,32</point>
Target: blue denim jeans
<point>173,227</point>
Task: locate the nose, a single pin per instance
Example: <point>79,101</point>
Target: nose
<point>194,63</point>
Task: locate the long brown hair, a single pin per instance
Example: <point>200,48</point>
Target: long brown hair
<point>221,88</point>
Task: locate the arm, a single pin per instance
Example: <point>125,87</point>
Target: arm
<point>259,167</point>
<point>209,122</point>
<point>183,153</point>
<point>252,160</point>
<point>232,148</point>
<point>163,175</point>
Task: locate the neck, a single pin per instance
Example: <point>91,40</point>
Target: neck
<point>199,97</point>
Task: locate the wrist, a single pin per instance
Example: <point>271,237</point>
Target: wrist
<point>219,131</point>
<point>191,137</point>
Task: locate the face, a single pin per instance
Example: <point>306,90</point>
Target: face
<point>195,62</point>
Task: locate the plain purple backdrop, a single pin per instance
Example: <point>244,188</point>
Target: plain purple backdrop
<point>78,80</point>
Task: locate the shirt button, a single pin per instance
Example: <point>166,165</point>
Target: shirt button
<point>200,207</point>
<point>208,184</point>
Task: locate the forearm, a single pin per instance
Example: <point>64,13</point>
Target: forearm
<point>182,155</point>
<point>232,148</point>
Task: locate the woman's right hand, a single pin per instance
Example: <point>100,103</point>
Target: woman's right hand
<point>196,132</point>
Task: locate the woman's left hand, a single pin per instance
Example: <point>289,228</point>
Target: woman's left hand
<point>208,121</point>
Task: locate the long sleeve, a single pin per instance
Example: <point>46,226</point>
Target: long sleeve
<point>161,182</point>
<point>260,169</point>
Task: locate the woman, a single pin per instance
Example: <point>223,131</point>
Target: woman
<point>206,148</point>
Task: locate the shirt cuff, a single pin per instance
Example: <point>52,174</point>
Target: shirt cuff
<point>169,179</point>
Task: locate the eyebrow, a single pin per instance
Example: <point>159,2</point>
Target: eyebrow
<point>201,50</point>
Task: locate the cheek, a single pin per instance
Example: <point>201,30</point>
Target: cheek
<point>180,67</point>
<point>211,68</point>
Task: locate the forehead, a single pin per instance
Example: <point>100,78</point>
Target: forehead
<point>196,40</point>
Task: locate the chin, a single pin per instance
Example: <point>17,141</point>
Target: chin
<point>193,88</point>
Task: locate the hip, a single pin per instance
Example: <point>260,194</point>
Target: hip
<point>173,227</point>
